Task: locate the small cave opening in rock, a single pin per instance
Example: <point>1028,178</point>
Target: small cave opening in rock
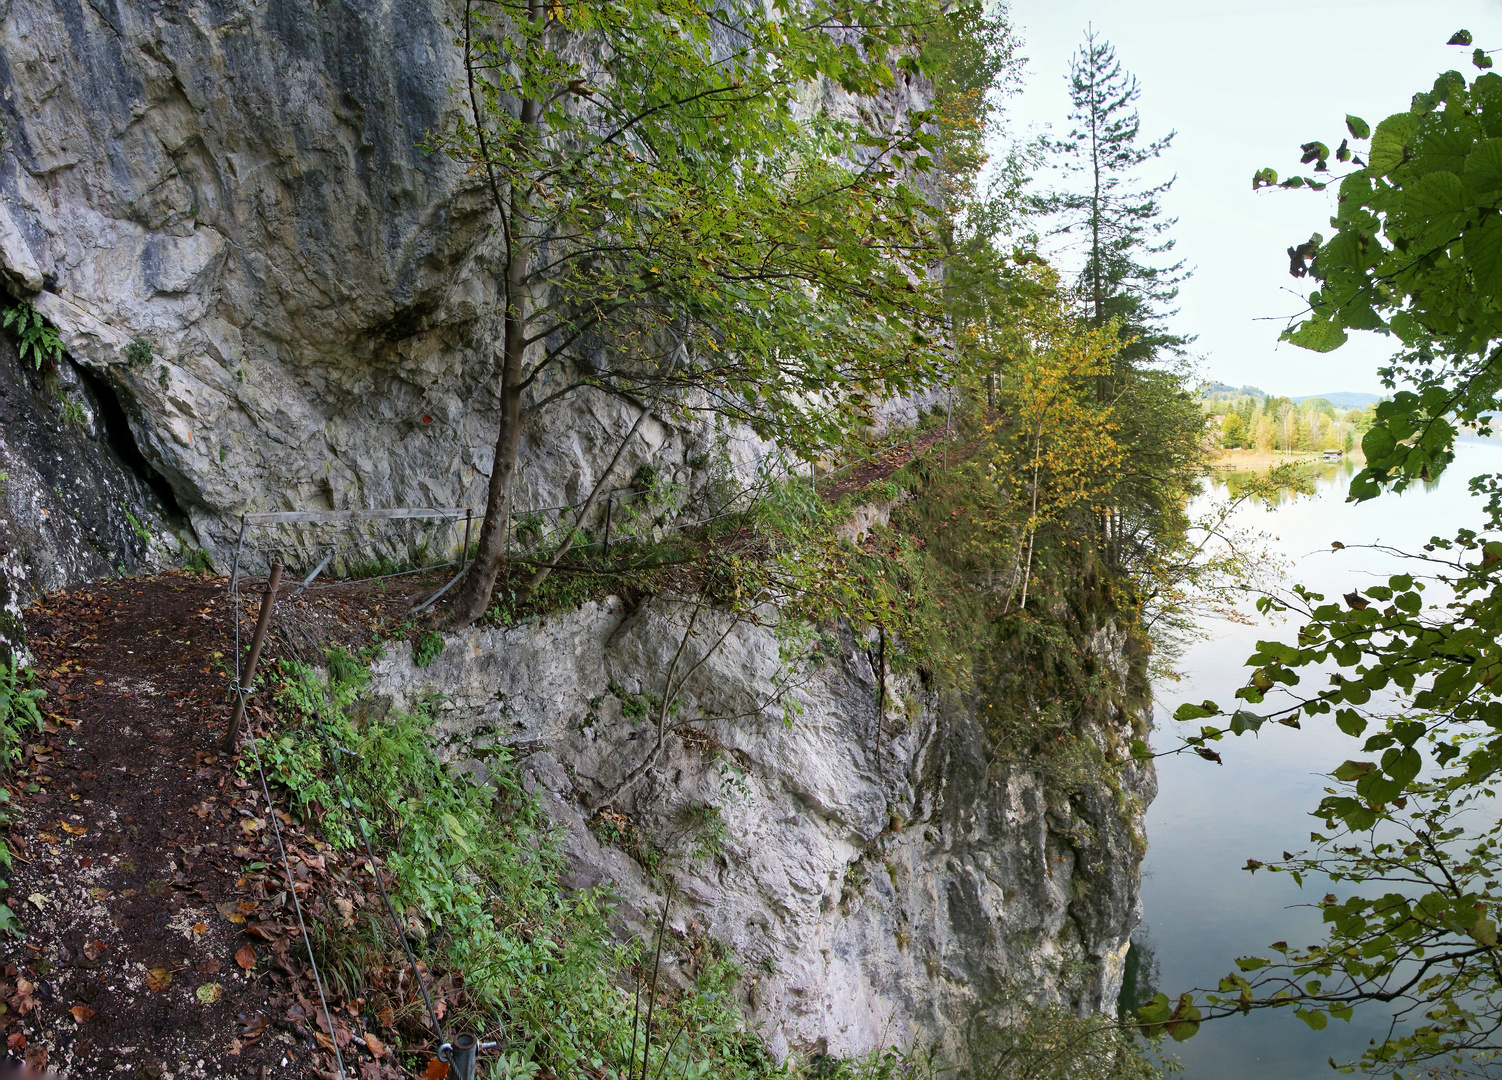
<point>122,441</point>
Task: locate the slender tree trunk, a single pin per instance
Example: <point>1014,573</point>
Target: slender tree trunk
<point>1098,286</point>
<point>1032,532</point>
<point>472,597</point>
<point>1102,383</point>
<point>538,575</point>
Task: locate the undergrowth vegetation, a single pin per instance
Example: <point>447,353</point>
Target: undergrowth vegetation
<point>35,336</point>
<point>19,712</point>
<point>477,873</point>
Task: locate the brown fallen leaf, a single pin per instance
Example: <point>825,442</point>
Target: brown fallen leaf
<point>158,979</point>
<point>15,1041</point>
<point>251,1029</point>
<point>82,1014</point>
<point>75,830</point>
<point>375,1046</point>
<point>437,1070</point>
<point>94,949</point>
<point>22,1001</point>
<point>245,956</point>
<point>199,928</point>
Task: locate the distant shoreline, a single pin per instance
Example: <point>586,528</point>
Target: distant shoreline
<point>1266,459</point>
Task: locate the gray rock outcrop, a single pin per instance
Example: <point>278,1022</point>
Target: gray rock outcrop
<point>241,191</point>
<point>76,502</point>
<point>882,883</point>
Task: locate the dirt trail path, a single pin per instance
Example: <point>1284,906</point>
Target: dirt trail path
<point>126,827</point>
<point>880,466</point>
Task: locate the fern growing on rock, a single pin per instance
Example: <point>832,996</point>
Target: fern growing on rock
<point>34,334</point>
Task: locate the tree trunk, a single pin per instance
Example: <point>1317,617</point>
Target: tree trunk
<point>473,594</point>
<point>472,597</point>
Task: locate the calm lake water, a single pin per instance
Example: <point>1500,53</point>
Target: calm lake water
<point>1200,908</point>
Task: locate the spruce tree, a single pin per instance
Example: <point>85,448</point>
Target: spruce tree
<point>1121,223</point>
<point>1123,229</point>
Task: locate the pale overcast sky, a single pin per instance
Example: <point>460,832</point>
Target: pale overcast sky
<point>1243,84</point>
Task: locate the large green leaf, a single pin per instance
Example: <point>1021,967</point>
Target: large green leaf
<point>1435,206</point>
<point>1483,252</point>
<point>1319,334</point>
<point>1444,142</point>
<point>1353,770</point>
<point>1390,143</point>
<point>1483,169</point>
<point>1243,721</point>
<point>1315,1019</point>
<point>1378,445</point>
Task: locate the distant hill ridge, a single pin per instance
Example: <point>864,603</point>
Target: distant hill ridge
<point>1343,399</point>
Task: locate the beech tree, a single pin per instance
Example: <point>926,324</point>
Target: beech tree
<point>1410,668</point>
<point>699,208</point>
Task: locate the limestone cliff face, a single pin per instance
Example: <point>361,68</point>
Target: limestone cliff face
<point>880,882</point>
<point>243,183</point>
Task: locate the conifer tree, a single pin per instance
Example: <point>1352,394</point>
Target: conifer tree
<point>1121,224</point>
<point>1123,231</point>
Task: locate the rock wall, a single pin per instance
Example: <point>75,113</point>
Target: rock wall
<point>881,883</point>
<point>77,501</point>
<point>241,189</point>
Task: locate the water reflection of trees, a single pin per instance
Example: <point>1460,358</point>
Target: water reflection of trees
<point>1311,476</point>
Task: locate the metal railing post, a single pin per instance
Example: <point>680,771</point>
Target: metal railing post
<point>462,1056</point>
<point>468,517</point>
<point>609,506</point>
<point>268,600</point>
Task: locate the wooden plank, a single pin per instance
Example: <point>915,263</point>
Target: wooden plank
<point>293,517</point>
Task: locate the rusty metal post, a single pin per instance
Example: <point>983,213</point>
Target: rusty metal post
<point>469,515</point>
<point>609,506</point>
<point>268,600</point>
